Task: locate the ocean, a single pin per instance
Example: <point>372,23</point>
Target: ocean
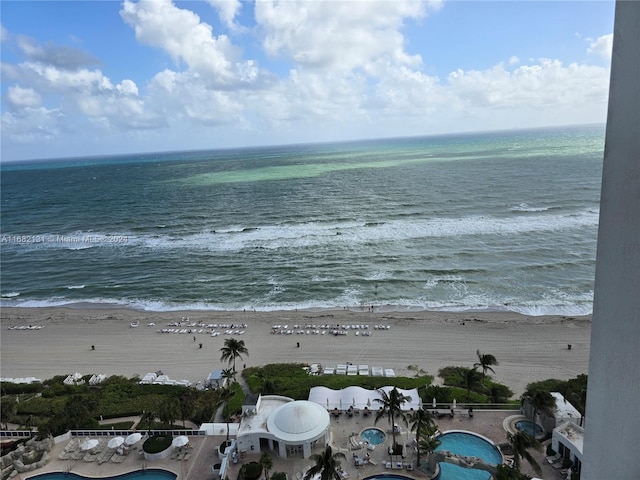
<point>470,222</point>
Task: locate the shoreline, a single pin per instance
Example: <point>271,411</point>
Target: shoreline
<point>528,348</point>
<point>380,308</point>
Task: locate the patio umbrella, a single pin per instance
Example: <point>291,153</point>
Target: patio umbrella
<point>340,403</point>
<point>180,441</point>
<point>115,442</point>
<point>133,438</point>
<point>89,444</point>
<point>369,402</point>
<point>454,403</point>
<point>404,451</point>
<point>433,404</point>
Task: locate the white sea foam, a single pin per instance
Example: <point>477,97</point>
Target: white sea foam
<point>10,294</point>
<point>523,207</point>
<point>305,235</point>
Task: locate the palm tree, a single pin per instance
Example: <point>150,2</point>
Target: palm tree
<point>391,407</point>
<point>427,445</point>
<point>148,417</point>
<point>485,362</point>
<point>232,350</point>
<point>227,375</point>
<point>472,380</point>
<point>541,401</point>
<point>224,395</point>
<point>521,443</point>
<point>169,410</point>
<point>267,463</point>
<point>187,405</point>
<point>326,465</point>
<point>8,409</point>
<point>423,424</point>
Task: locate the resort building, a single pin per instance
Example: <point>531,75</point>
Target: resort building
<point>562,413</point>
<point>614,377</point>
<point>283,425</point>
<point>567,440</point>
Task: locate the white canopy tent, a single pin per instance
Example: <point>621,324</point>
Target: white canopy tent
<point>359,397</point>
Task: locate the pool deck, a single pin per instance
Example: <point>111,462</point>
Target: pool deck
<point>204,455</point>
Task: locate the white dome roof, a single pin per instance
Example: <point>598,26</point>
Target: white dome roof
<point>298,421</point>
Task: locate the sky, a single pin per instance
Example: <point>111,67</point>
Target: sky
<point>87,78</point>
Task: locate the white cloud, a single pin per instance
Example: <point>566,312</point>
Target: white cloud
<point>601,46</point>
<point>189,41</point>
<point>180,97</point>
<point>23,97</point>
<point>227,10</point>
<point>547,83</point>
<point>339,36</point>
<point>351,74</point>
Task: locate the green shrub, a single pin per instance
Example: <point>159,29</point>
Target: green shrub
<point>157,443</point>
<point>251,471</point>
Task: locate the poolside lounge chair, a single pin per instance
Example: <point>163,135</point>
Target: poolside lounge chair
<point>554,459</point>
<point>355,443</point>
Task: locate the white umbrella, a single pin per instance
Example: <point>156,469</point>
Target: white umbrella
<point>454,403</point>
<point>434,402</point>
<point>180,441</point>
<point>341,404</point>
<point>404,450</point>
<point>89,444</point>
<point>369,402</point>
<point>133,438</point>
<point>115,442</point>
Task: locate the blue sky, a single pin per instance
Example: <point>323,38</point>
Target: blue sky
<point>82,78</point>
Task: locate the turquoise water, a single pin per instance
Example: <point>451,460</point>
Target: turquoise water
<point>374,436</point>
<point>149,474</point>
<point>492,221</point>
<point>469,445</point>
<point>529,427</point>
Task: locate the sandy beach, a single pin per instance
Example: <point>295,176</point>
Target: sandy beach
<point>527,348</point>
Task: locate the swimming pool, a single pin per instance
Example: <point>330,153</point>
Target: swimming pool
<point>470,445</point>
<point>387,476</point>
<point>374,436</point>
<point>147,474</point>
<point>529,428</point>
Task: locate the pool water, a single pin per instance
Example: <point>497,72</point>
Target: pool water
<point>148,474</point>
<point>529,428</point>
<point>469,445</point>
<point>374,436</point>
